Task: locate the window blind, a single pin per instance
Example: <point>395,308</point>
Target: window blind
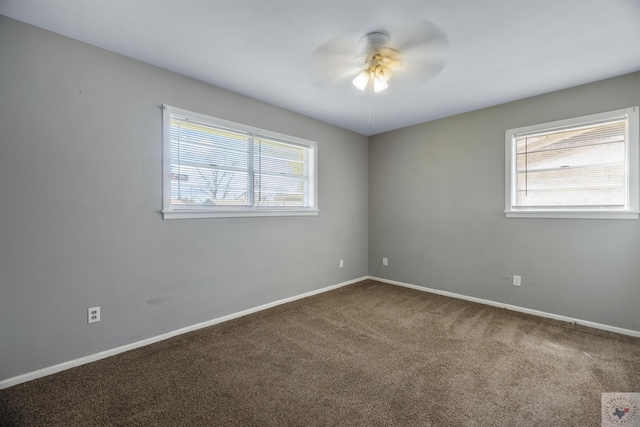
<point>281,173</point>
<point>580,166</point>
<point>213,166</point>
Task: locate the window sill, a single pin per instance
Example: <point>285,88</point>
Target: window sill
<point>199,214</point>
<point>573,214</point>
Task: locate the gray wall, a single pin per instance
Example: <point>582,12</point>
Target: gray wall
<point>436,201</point>
<point>80,195</point>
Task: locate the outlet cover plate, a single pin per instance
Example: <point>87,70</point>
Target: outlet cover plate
<point>93,314</point>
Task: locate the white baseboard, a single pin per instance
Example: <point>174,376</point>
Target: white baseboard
<point>29,376</point>
<point>595,325</point>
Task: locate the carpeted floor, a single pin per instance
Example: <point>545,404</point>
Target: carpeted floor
<point>368,354</point>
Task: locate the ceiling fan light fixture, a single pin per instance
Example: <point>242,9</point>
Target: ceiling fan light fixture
<point>379,85</point>
<point>383,73</point>
<point>361,80</point>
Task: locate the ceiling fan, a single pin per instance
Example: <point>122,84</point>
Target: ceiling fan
<point>412,52</point>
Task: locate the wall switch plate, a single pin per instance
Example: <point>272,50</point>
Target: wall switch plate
<point>93,314</point>
<point>385,261</point>
<point>517,280</point>
<point>341,263</point>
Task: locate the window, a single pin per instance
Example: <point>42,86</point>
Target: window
<point>216,168</point>
<point>585,167</point>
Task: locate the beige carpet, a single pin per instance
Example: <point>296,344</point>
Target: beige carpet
<point>368,354</point>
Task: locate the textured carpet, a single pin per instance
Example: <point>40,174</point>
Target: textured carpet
<point>368,354</point>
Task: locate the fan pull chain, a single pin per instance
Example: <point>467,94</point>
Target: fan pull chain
<point>372,117</point>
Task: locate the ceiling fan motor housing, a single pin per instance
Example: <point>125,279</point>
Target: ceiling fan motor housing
<point>373,41</point>
<point>378,58</point>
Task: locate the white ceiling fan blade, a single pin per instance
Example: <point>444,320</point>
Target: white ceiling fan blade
<point>335,62</point>
<point>414,74</point>
<point>423,47</point>
<point>417,33</point>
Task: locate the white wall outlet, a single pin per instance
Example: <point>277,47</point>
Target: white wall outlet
<point>93,314</point>
<point>517,280</point>
<point>385,261</point>
<point>341,263</point>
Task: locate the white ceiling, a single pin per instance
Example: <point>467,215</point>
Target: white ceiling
<point>499,50</point>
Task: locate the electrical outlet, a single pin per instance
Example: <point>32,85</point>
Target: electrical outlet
<point>385,261</point>
<point>517,280</point>
<point>93,314</point>
<point>341,263</point>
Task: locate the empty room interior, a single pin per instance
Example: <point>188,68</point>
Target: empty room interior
<point>319,213</point>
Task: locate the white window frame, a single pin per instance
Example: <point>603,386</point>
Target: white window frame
<point>629,211</point>
<point>170,211</point>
